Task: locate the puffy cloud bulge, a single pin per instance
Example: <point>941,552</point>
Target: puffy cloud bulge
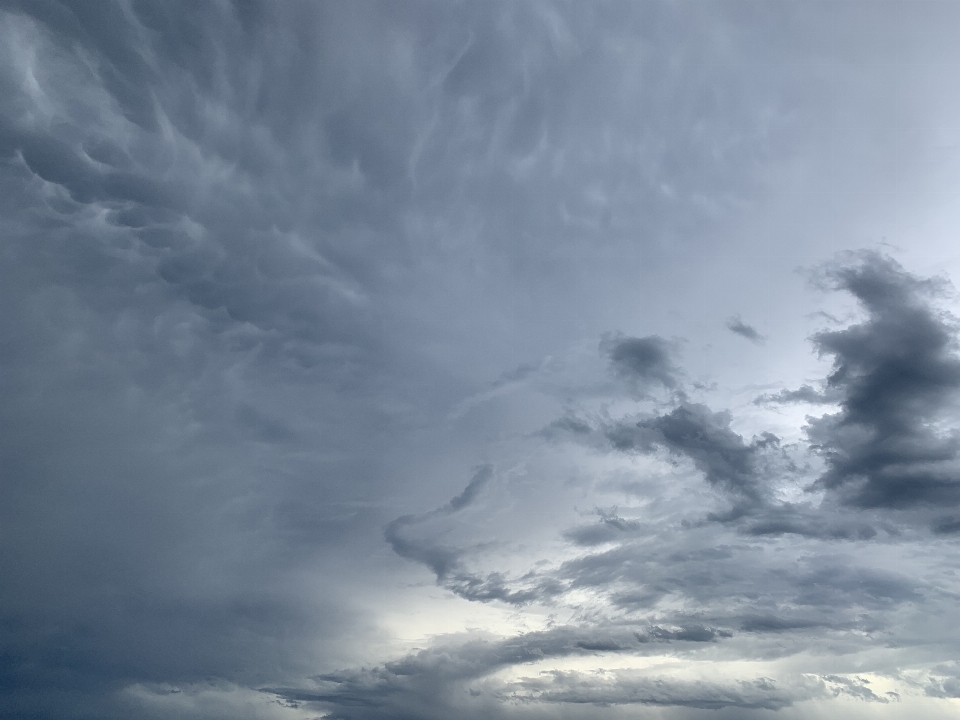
<point>406,361</point>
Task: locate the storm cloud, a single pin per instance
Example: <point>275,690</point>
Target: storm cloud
<point>387,361</point>
<point>897,376</point>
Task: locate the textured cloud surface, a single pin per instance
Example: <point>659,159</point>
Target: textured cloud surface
<point>429,360</point>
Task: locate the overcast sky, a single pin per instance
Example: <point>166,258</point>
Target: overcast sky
<point>479,360</point>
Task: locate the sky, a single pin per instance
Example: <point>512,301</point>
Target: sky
<point>511,361</point>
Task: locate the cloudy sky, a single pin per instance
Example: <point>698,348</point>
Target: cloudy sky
<point>482,360</point>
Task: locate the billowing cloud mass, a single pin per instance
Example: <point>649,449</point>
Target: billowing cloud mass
<point>480,360</point>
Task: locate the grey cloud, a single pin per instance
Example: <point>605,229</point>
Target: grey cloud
<point>895,378</point>
<point>738,327</point>
<point>431,682</point>
<point>611,527</point>
<point>445,561</point>
<point>635,577</point>
<point>625,688</point>
<point>57,162</point>
<point>947,526</point>
<point>803,394</point>
<point>692,633</point>
<point>262,427</point>
<point>170,303</point>
<point>839,586</point>
<point>439,559</point>
<point>803,520</point>
<point>896,374</point>
<point>944,682</point>
<point>473,488</point>
<point>856,687</point>
<point>646,360</point>
<point>426,681</point>
<point>839,595</point>
<point>214,252</point>
<point>777,624</point>
<point>945,688</point>
<point>694,431</point>
<point>569,424</point>
<point>254,252</point>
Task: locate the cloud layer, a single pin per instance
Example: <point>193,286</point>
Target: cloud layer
<point>787,562</point>
<point>366,360</point>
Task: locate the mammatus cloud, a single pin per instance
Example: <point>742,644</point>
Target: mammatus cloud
<point>263,266</point>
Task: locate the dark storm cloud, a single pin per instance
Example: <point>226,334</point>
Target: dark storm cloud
<point>233,255</point>
<point>947,526</point>
<point>691,430</point>
<point>905,348</point>
<point>694,431</point>
<point>253,254</point>
<point>187,357</point>
<point>737,326</point>
<point>895,376</point>
<point>725,459</point>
